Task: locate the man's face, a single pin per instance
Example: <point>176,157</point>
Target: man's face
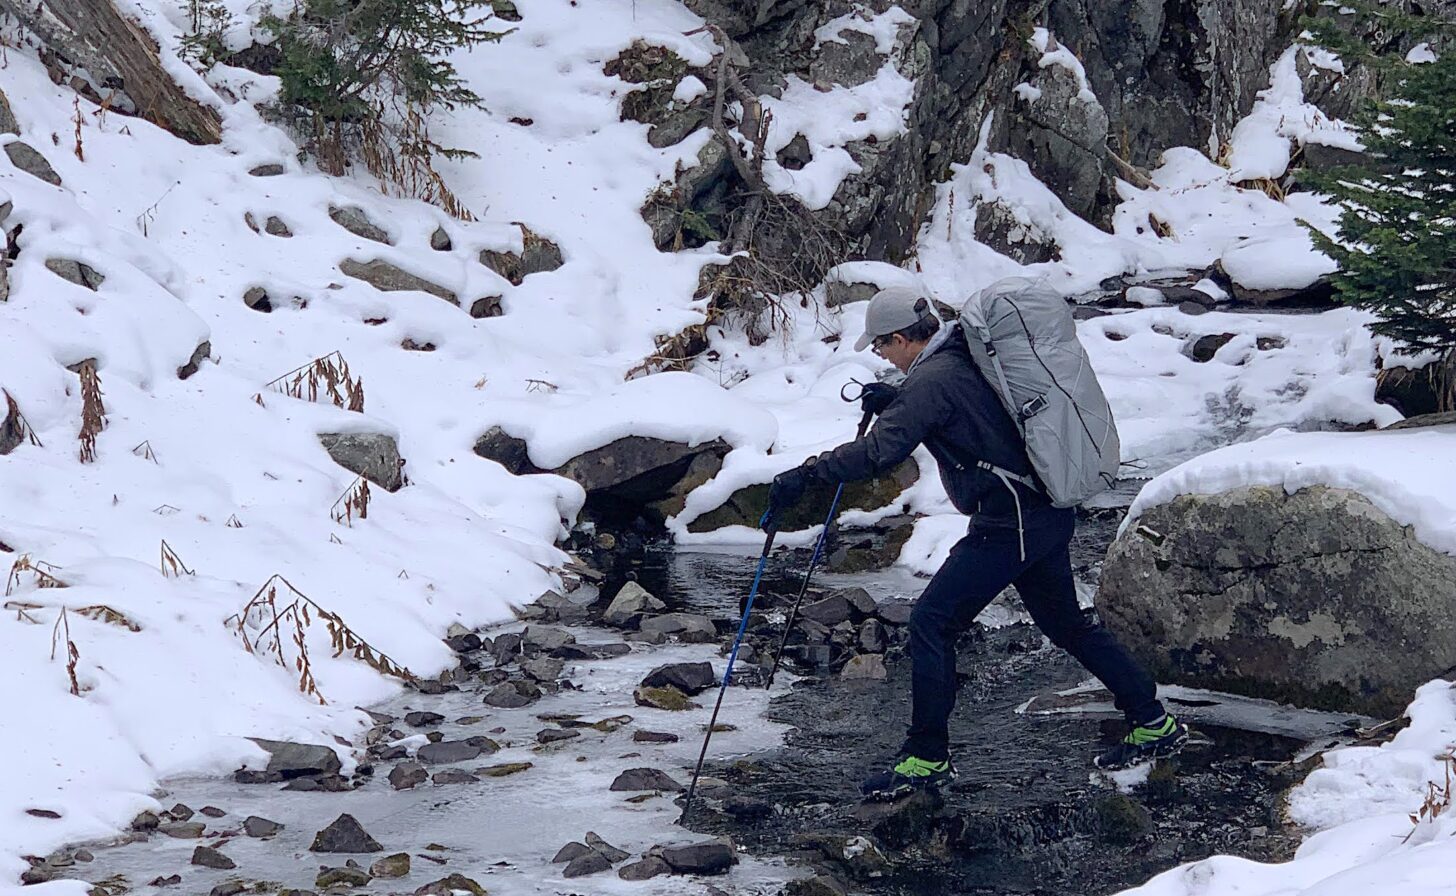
<point>896,349</point>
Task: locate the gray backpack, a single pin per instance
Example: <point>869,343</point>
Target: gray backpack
<point>1024,341</point>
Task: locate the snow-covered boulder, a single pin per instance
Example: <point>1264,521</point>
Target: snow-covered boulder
<point>1314,597</point>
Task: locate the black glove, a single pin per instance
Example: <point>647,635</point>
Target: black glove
<point>876,397</point>
<point>786,491</point>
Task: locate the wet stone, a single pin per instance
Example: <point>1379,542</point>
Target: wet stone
<point>84,855</point>
<point>513,695</point>
<point>145,821</point>
<point>866,666</point>
<point>212,812</point>
<point>293,760</point>
<point>180,812</point>
<point>465,643</point>
<point>494,677</point>
<point>612,853</point>
<point>710,857</point>
<point>543,668</point>
<point>894,612</point>
<point>397,865</point>
<point>643,736</point>
<point>448,751</point>
<point>170,880</point>
<point>830,611</point>
<point>208,857</point>
<point>545,637</point>
<point>257,826</point>
<point>407,775</point>
<point>631,601</point>
<point>485,744</point>
<point>345,834</point>
<point>872,637</point>
<point>690,678</point>
<point>687,627</point>
<point>389,753</point>
<point>668,698</point>
<point>321,784</point>
<point>504,769</point>
<point>453,776</point>
<point>505,647</point>
<point>653,638</point>
<point>592,862</point>
<point>349,877</point>
<point>818,885</point>
<point>570,851</point>
<point>183,830</point>
<point>902,822</point>
<point>645,869</point>
<point>450,886</point>
<point>432,687</point>
<point>555,735</point>
<point>229,888</point>
<point>747,808</point>
<point>423,719</point>
<point>636,779</point>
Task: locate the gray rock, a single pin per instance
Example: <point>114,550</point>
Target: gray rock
<point>452,776</point>
<point>513,695</point>
<point>543,668</point>
<point>505,449</point>
<point>25,157</point>
<point>689,627</point>
<point>745,506</point>
<point>592,862</point>
<point>183,830</point>
<point>1444,419</point>
<point>440,240</point>
<point>257,826</point>
<point>345,834</point>
<point>78,272</point>
<point>451,886</point>
<point>271,169</point>
<point>373,455</point>
<point>356,221</point>
<point>448,751</point>
<point>570,851</point>
<point>643,736</point>
<point>872,637</point>
<point>199,354</point>
<point>1204,348</point>
<point>613,466</point>
<point>505,647</point>
<point>690,678</point>
<point>387,277</point>
<point>612,853</point>
<point>348,877</point>
<point>257,298</point>
<point>632,599</point>
<point>637,779</point>
<point>538,255</point>
<point>1063,138</point>
<point>820,884</point>
<point>998,226</point>
<point>145,821</point>
<point>180,812</point>
<point>1289,597</point>
<point>668,698</point>
<point>645,869</point>
<point>208,857</point>
<point>555,735</point>
<point>544,637</point>
<point>275,226</point>
<point>8,124</point>
<point>487,306</point>
<point>407,775</point>
<point>420,719</point>
<point>894,612</point>
<point>830,611</point>
<point>391,867</point>
<point>865,667</point>
<point>709,857</point>
<point>234,887</point>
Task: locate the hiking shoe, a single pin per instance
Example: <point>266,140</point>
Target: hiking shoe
<point>907,776</point>
<point>1145,743</point>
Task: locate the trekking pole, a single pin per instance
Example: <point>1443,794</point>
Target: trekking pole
<point>728,672</point>
<point>864,425</point>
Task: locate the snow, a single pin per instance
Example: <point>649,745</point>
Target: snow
<point>1262,142</point>
<point>1421,53</point>
<point>1053,53</point>
<point>239,486</point>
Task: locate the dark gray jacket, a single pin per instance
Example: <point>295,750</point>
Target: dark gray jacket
<point>946,405</point>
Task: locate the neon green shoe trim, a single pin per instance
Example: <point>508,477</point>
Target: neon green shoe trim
<point>911,767</point>
<point>1143,734</point>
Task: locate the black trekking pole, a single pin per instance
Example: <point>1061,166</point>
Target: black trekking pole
<point>864,425</point>
<point>728,672</point>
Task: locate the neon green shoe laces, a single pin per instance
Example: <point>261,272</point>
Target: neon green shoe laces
<point>1143,734</point>
<point>912,767</point>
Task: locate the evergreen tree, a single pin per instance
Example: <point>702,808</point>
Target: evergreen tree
<point>1396,246</point>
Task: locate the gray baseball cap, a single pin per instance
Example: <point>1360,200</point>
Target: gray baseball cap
<point>891,310</point>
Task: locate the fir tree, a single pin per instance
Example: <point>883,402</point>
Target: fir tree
<point>1396,245</point>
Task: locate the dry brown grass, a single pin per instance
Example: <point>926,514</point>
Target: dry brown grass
<point>79,119</point>
<point>172,565</point>
<point>291,618</point>
<point>25,430</point>
<point>404,163</point>
<point>144,450</point>
<point>73,654</point>
<point>41,572</point>
<point>1438,797</point>
<point>353,502</point>
<point>93,410</point>
<point>328,375</point>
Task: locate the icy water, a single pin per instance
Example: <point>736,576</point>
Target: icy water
<point>1027,816</point>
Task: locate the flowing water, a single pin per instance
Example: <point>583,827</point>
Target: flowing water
<point>1028,815</point>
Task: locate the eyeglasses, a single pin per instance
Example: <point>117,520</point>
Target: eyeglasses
<point>880,342</point>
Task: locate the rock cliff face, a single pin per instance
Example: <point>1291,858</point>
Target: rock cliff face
<point>1160,74</point>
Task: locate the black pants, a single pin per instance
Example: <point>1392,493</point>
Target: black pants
<point>979,567</point>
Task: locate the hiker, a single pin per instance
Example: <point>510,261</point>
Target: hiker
<point>1016,536</point>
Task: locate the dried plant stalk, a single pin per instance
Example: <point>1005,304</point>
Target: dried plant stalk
<point>1438,797</point>
<point>44,574</point>
<point>329,373</point>
<point>172,565</point>
<point>403,163</point>
<point>354,501</point>
<point>22,426</point>
<point>108,615</point>
<point>93,412</point>
<point>79,119</point>
<point>272,618</point>
<point>73,654</point>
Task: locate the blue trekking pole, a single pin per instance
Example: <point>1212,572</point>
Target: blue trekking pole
<point>864,425</point>
<point>728,672</point>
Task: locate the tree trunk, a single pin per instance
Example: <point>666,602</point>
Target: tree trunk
<point>119,54</point>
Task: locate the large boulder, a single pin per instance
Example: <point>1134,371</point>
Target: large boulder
<point>375,456</point>
<point>1315,598</point>
<point>745,507</point>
